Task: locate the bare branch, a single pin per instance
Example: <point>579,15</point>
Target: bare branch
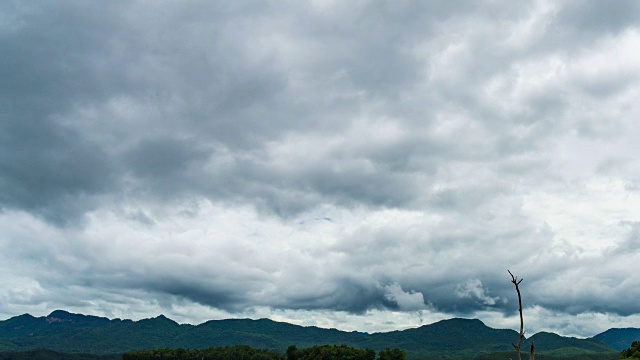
<point>516,282</point>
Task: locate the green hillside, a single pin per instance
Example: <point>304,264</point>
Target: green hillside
<point>619,338</point>
<point>454,338</point>
<point>263,333</point>
<point>52,355</point>
<point>545,341</point>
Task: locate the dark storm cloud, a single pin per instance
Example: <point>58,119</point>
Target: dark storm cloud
<point>59,59</point>
<point>221,78</point>
<point>55,175</point>
<point>46,68</point>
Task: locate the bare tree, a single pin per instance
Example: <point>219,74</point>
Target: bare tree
<point>516,282</point>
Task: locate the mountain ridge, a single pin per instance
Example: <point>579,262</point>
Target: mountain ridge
<point>77,333</point>
<point>619,338</point>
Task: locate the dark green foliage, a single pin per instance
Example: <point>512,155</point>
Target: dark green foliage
<point>551,356</point>
<point>330,352</point>
<point>631,353</point>
<point>619,339</point>
<point>240,352</point>
<point>292,353</point>
<point>388,354</point>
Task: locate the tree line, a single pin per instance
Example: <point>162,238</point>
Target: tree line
<point>243,352</point>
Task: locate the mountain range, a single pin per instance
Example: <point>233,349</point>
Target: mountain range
<point>66,332</point>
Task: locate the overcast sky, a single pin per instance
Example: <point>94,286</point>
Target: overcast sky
<point>364,165</point>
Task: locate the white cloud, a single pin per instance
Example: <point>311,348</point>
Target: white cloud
<point>406,300</point>
<point>473,289</point>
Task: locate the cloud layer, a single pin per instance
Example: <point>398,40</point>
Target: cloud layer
<point>353,164</point>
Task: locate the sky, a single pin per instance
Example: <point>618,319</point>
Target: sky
<point>361,165</point>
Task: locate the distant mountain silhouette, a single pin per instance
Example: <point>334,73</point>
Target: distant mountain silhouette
<point>619,338</point>
<point>75,333</point>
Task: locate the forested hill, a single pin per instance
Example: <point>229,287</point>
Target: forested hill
<point>619,338</point>
<point>75,333</point>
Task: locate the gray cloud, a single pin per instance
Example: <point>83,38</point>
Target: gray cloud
<point>596,18</point>
<point>353,158</point>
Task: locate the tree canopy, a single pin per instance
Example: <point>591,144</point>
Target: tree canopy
<point>243,352</point>
<point>631,353</point>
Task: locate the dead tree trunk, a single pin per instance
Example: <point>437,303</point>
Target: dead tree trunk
<point>532,354</point>
<point>516,282</point>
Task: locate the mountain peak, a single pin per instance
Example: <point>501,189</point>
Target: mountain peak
<point>60,316</point>
<point>160,319</point>
<point>24,316</point>
<point>459,322</point>
<point>60,313</point>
